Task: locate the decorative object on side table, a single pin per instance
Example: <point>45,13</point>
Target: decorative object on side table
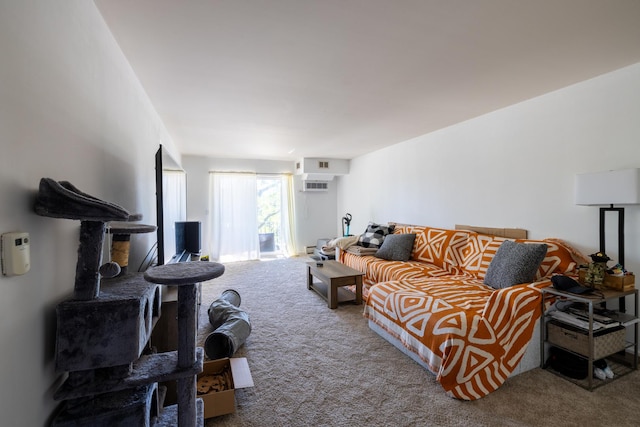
<point>597,268</point>
<point>597,275</point>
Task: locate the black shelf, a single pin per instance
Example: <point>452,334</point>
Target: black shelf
<point>619,370</point>
<point>621,362</point>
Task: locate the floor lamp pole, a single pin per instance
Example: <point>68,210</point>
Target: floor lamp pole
<point>620,211</point>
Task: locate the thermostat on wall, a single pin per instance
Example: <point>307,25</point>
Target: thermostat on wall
<point>15,254</point>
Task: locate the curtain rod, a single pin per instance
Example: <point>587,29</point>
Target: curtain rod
<point>252,173</point>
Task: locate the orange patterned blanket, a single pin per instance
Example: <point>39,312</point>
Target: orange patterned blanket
<point>469,334</point>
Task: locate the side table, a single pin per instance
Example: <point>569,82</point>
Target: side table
<point>622,366</point>
<point>333,275</point>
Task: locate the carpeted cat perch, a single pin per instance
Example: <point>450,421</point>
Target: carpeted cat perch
<point>101,335</point>
<point>61,199</point>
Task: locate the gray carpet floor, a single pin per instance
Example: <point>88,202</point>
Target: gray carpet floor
<point>313,366</point>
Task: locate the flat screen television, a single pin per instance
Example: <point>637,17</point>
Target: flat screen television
<point>171,203</point>
<point>187,241</point>
<point>188,237</point>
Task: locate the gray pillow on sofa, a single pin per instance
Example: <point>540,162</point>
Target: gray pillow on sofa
<point>396,247</point>
<point>514,263</point>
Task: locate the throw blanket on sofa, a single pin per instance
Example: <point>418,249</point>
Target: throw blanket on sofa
<point>471,336</point>
<point>340,242</point>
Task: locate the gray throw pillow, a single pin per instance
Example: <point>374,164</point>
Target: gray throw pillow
<point>514,263</point>
<point>396,247</point>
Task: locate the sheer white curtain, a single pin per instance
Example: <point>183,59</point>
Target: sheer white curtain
<point>233,222</point>
<point>174,207</point>
<point>287,217</point>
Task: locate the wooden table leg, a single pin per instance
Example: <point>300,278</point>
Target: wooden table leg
<point>332,294</point>
<point>358,290</point>
<point>309,277</point>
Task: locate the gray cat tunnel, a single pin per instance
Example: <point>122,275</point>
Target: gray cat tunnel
<point>231,326</point>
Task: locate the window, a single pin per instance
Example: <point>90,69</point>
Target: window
<point>250,216</point>
<point>269,215</point>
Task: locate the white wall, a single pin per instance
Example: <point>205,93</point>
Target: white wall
<point>315,212</point>
<point>70,109</point>
<point>511,168</point>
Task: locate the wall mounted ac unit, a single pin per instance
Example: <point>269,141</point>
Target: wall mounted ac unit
<point>316,173</point>
<point>321,167</point>
<point>315,185</point>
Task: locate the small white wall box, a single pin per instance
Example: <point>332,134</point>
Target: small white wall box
<point>16,258</point>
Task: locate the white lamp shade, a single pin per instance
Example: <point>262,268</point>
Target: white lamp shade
<point>621,187</point>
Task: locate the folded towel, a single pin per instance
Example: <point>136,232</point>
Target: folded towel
<point>361,250</point>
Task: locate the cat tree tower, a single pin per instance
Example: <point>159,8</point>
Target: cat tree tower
<point>104,329</point>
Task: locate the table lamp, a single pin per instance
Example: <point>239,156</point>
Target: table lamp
<point>618,187</point>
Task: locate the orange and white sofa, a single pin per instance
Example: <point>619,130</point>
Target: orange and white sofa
<point>437,309</point>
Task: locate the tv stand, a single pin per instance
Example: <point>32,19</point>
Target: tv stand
<point>184,256</point>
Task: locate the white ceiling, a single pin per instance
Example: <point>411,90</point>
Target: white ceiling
<point>285,79</point>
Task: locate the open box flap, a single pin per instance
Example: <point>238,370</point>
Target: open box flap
<point>241,373</point>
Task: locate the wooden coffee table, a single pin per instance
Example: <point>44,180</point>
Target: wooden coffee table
<point>333,275</point>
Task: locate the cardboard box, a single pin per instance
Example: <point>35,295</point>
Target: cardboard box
<point>224,402</point>
<point>619,283</point>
